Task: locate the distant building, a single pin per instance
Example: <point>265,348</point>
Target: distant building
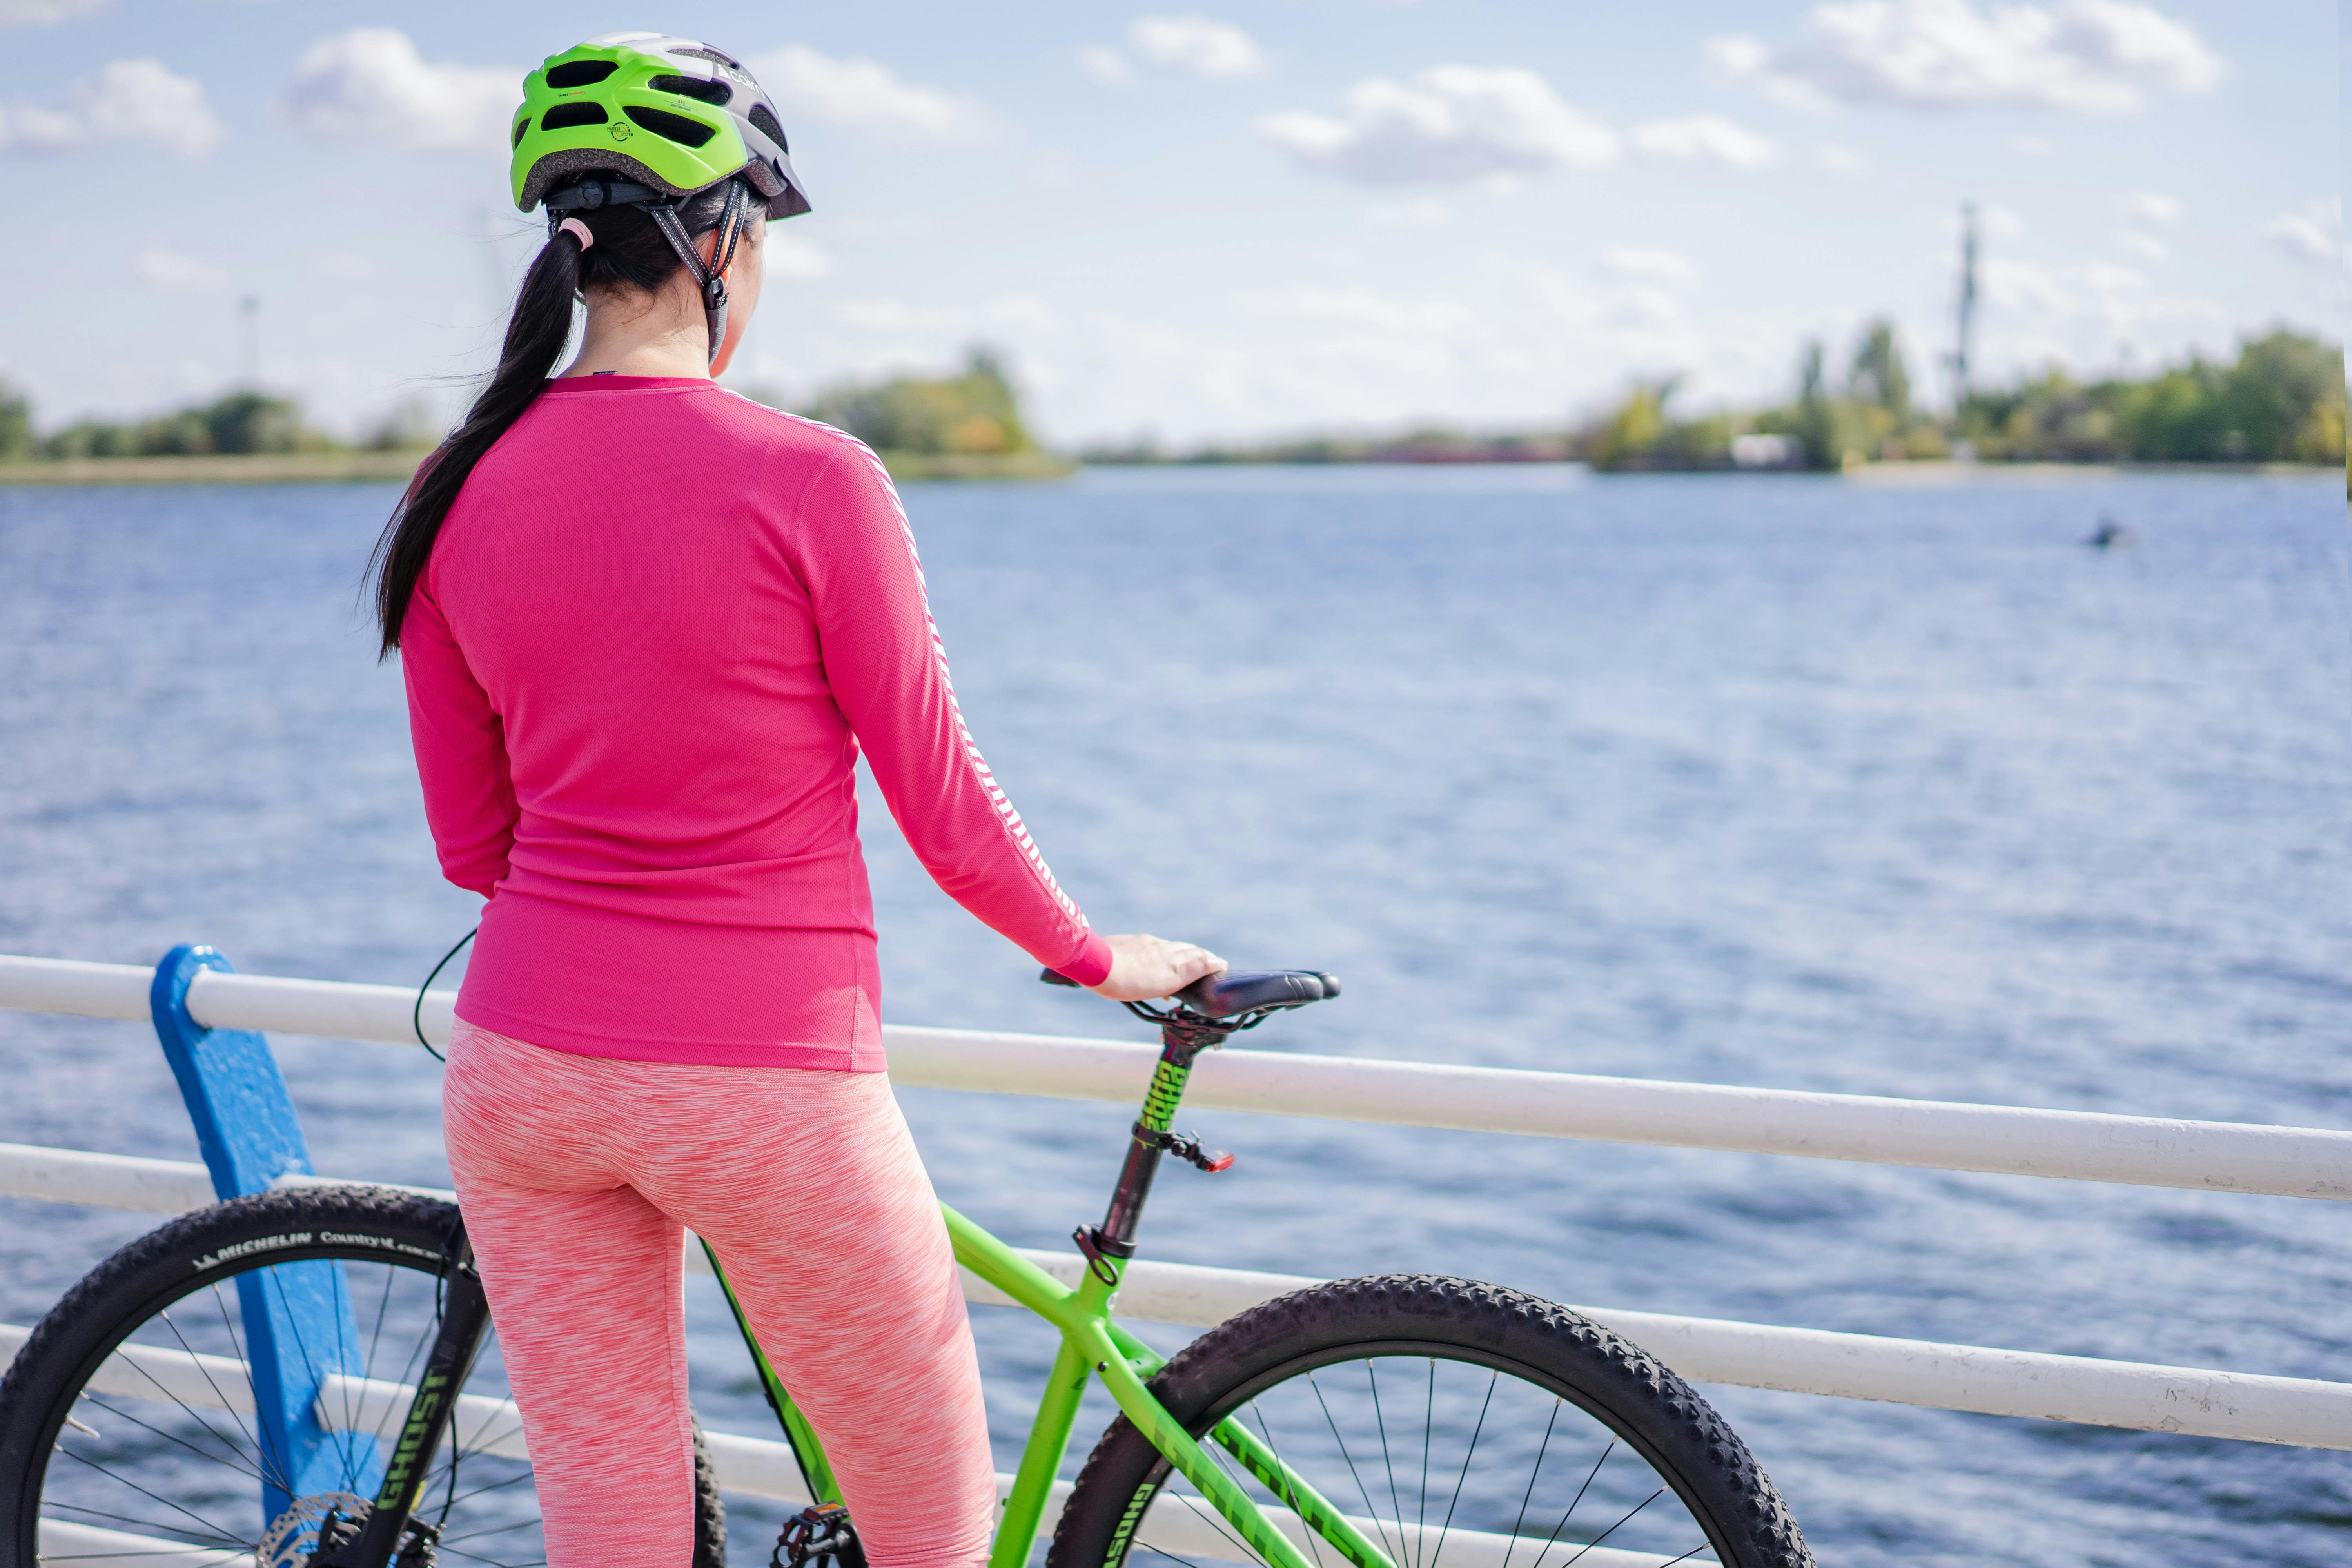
<point>1766,452</point>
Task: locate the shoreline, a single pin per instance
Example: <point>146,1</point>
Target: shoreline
<point>398,467</point>
<point>915,468</point>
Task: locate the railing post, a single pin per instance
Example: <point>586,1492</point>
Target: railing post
<point>298,1326</point>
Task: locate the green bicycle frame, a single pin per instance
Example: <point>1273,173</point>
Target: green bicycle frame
<point>1092,1347</point>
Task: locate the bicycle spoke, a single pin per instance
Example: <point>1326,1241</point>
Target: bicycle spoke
<point>167,1503</point>
<point>1612,1529</point>
<point>261,1457</point>
<point>1455,1502</point>
<point>1381,1422</point>
<point>1420,1507</point>
<point>234,1462</point>
<point>1572,1503</point>
<point>514,1479</point>
<point>1512,1542</point>
<point>1369,1511</point>
<point>1314,1536</point>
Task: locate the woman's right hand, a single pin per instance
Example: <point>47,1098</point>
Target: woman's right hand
<point>1143,968</point>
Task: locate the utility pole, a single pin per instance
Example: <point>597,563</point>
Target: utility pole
<point>249,311</point>
<point>1967,320</point>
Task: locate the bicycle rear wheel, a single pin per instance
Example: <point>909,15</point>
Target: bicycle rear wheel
<point>1452,1422</point>
<point>128,1428</point>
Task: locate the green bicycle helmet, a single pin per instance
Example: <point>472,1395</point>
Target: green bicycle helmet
<point>671,115</point>
<point>646,119</point>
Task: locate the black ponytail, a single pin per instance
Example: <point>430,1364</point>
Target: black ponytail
<point>630,254</point>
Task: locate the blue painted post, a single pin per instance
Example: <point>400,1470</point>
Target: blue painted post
<point>299,1327</point>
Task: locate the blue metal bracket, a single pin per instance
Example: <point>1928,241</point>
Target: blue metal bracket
<point>298,1325</point>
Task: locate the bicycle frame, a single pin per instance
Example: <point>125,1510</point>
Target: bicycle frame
<point>1094,1347</point>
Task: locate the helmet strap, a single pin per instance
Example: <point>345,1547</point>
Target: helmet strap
<point>710,279</point>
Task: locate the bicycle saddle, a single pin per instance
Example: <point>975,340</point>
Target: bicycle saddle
<point>1262,990</point>
<point>1223,995</point>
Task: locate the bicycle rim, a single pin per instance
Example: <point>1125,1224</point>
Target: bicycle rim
<point>1436,1455</point>
<point>158,1454</point>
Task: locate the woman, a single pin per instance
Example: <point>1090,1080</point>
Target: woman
<point>646,627</point>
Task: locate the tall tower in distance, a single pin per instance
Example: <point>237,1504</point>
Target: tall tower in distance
<point>1968,313</point>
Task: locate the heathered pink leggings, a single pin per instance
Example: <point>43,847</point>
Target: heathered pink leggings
<point>576,1174</point>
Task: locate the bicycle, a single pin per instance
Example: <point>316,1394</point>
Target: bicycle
<point>141,1416</point>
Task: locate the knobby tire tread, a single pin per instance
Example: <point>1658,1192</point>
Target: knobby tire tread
<point>126,1289</point>
<point>1682,1432</point>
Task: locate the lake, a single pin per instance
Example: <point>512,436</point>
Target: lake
<point>1771,780</point>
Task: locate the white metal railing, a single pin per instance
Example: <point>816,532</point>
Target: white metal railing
<point>2225,1156</point>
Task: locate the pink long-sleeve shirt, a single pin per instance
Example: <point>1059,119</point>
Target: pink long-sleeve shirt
<point>659,625</point>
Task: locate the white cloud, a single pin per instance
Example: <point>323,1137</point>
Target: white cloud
<point>38,13</point>
<point>1840,159</point>
<point>2314,231</point>
<point>867,95</point>
<point>2090,56</point>
<point>1649,308</point>
<point>1634,261</point>
<point>1422,214</point>
<point>127,100</point>
<point>1105,64</point>
<point>1369,309</point>
<point>2032,146</point>
<point>2143,244</point>
<point>787,257</point>
<point>1194,43</point>
<point>1998,222</point>
<point>1703,139</point>
<point>1450,125</point>
<point>176,274</point>
<point>2150,206</point>
<point>370,85</point>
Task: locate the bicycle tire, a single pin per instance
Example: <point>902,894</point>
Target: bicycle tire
<point>116,1305</point>
<point>1465,1324</point>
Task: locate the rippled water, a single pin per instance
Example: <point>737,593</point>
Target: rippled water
<point>1779,782</point>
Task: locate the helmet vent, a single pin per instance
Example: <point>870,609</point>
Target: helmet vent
<point>669,126</point>
<point>522,129</point>
<point>763,120</point>
<point>579,73</point>
<point>564,114</point>
<point>712,92</point>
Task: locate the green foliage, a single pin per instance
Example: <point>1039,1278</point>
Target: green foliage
<point>15,424</point>
<point>976,413</point>
<point>241,422</point>
<point>2281,402</point>
<point>1878,377</point>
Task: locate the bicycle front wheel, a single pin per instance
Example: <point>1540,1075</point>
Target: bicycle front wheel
<point>131,1430</point>
<point>1447,1422</point>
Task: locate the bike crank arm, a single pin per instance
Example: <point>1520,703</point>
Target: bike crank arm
<point>464,1324</point>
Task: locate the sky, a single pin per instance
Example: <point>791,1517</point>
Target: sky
<point>1187,225</point>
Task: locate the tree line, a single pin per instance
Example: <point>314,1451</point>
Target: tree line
<point>2281,400</point>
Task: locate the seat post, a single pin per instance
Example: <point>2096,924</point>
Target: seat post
<point>1181,1039</point>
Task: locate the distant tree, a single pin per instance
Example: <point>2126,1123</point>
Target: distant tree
<point>15,424</point>
<point>977,412</point>
<point>1878,377</point>
<point>2285,396</point>
<point>1631,435</point>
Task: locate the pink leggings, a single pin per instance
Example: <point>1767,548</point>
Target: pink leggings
<point>576,1174</point>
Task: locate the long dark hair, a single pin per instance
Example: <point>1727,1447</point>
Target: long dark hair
<point>630,253</point>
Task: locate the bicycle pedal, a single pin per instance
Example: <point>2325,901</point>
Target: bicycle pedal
<point>820,1536</point>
